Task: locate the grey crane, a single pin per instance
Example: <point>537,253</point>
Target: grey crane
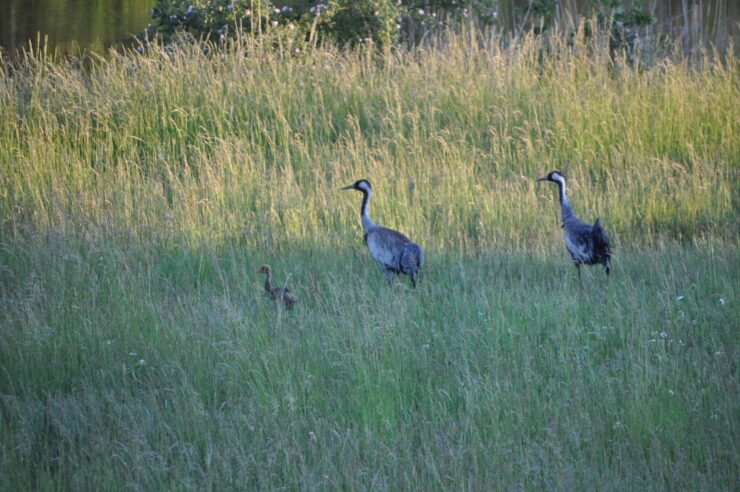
<point>277,294</point>
<point>391,250</point>
<point>586,243</point>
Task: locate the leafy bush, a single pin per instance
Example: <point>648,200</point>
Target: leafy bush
<point>345,22</point>
<point>348,22</point>
<point>622,24</point>
<point>341,21</point>
<point>206,19</point>
<point>382,22</point>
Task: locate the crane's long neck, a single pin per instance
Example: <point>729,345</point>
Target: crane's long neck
<point>367,223</point>
<point>268,281</point>
<point>566,212</point>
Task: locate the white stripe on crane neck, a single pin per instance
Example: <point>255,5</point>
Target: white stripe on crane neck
<point>561,186</point>
<point>367,223</point>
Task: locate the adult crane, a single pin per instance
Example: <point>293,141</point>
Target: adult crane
<point>392,251</point>
<point>586,243</point>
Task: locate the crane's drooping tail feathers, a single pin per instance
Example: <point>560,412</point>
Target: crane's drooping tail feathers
<point>412,257</point>
<point>601,245</point>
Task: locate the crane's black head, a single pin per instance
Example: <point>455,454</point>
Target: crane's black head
<point>553,176</point>
<point>361,185</point>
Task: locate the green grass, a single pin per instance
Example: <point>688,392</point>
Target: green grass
<point>140,197</point>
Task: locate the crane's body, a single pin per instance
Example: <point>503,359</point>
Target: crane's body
<point>393,252</point>
<point>586,243</point>
<point>277,294</point>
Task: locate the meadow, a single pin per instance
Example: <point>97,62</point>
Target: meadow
<point>141,192</point>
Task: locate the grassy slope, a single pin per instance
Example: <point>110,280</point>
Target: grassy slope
<point>139,199</point>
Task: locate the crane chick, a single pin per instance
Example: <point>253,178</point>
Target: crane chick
<point>277,294</point>
<point>391,250</point>
<point>586,243</point>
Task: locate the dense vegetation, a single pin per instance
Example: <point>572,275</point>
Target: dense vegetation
<point>140,196</point>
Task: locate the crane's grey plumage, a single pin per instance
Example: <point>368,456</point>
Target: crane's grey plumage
<point>586,243</point>
<point>391,250</point>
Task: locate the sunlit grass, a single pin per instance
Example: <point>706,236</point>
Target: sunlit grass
<point>140,197</point>
<point>206,146</point>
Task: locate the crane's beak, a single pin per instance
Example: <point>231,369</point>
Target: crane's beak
<point>348,187</point>
<point>541,179</point>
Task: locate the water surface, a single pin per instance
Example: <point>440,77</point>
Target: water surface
<point>71,25</point>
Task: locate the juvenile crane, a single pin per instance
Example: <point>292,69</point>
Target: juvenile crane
<point>391,250</point>
<point>277,294</point>
<point>586,243</point>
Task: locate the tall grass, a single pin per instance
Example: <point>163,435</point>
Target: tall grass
<point>255,144</point>
<point>139,197</point>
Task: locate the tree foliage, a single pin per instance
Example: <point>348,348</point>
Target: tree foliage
<point>345,22</point>
<point>382,22</point>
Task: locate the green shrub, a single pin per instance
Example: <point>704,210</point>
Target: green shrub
<point>344,22</point>
<point>206,19</point>
<point>382,22</point>
<point>349,22</point>
<point>622,23</point>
